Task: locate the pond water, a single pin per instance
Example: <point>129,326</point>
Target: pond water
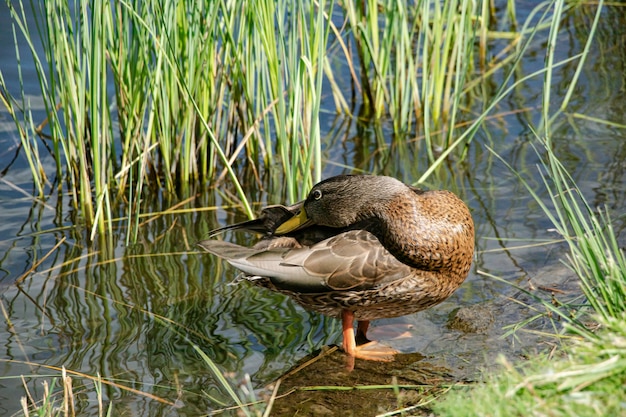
<point>134,315</point>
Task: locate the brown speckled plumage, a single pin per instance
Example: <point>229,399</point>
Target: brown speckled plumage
<point>370,245</point>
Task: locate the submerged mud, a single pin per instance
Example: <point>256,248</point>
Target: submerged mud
<point>327,383</point>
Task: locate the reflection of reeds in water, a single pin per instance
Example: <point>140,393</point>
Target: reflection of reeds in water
<point>162,317</point>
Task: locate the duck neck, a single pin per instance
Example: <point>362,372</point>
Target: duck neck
<point>426,237</point>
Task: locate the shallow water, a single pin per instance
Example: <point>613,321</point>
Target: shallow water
<point>133,314</point>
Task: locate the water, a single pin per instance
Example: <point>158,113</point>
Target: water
<point>134,315</point>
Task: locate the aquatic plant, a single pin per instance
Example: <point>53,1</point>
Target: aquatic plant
<point>167,96</point>
<point>584,378</point>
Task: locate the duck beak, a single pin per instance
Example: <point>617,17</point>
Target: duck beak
<point>300,221</point>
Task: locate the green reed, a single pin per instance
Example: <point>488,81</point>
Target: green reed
<point>169,96</point>
<point>187,80</point>
<point>433,40</point>
<point>588,379</point>
<point>595,255</point>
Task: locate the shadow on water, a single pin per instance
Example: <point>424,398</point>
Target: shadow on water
<point>133,315</point>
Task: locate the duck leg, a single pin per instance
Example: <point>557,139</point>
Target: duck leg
<point>366,349</point>
<point>361,332</point>
<point>349,342</point>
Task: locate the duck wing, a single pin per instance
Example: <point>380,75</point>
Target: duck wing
<point>350,261</point>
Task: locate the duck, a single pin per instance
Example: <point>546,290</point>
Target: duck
<point>359,247</point>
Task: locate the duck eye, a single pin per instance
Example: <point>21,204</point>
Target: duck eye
<point>316,194</point>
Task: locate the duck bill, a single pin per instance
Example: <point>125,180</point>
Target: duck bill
<point>300,221</point>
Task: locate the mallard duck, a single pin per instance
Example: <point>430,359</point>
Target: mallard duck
<point>359,247</point>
